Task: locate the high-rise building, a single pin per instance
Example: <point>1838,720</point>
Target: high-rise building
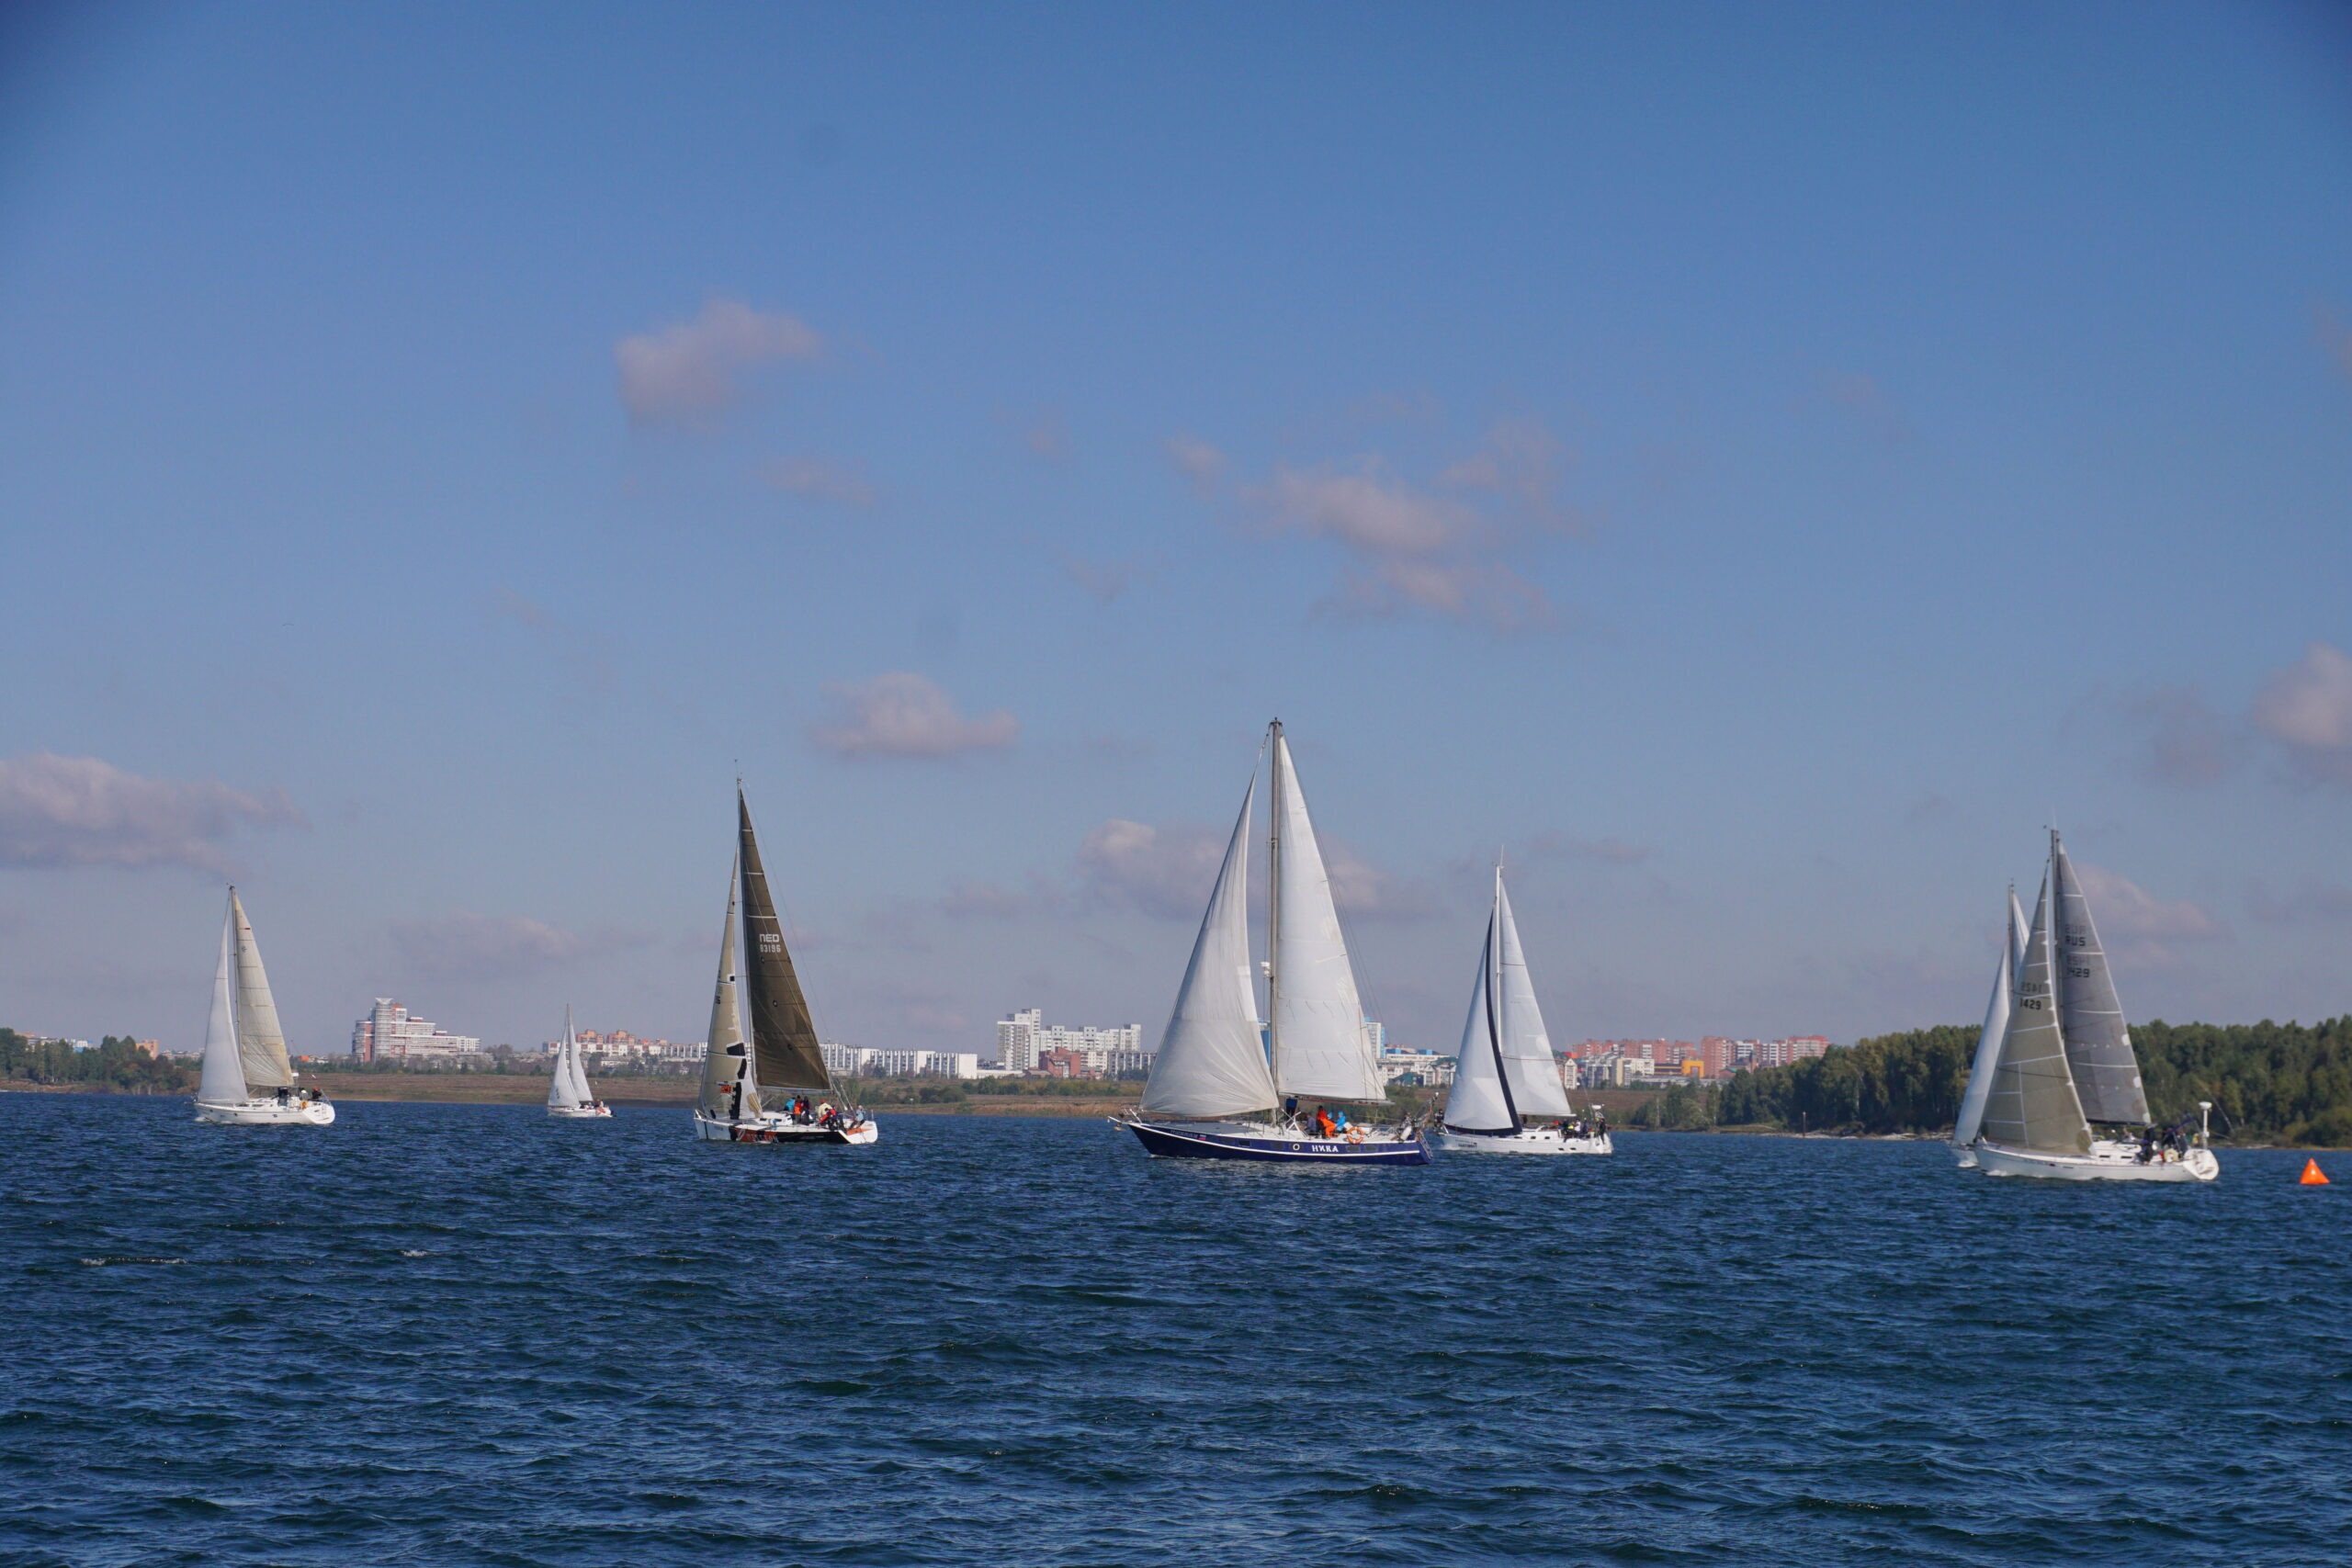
<point>1024,1038</point>
<point>390,1034</point>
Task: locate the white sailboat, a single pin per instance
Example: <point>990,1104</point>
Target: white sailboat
<point>769,1084</point>
<point>2065,1061</point>
<point>568,1096</point>
<point>1507,1096</point>
<point>1220,1089</point>
<point>247,1081</point>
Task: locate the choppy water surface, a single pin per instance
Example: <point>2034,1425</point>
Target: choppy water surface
<point>468,1334</point>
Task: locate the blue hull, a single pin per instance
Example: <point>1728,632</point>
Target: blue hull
<point>1173,1142</point>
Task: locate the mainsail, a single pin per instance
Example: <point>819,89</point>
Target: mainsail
<point>223,1082</point>
<point>784,1039</point>
<point>1480,1099</point>
<point>2098,1043</point>
<point>1988,1042</point>
<point>2032,1104</point>
<point>1211,1060</point>
<point>1533,1071</point>
<point>260,1044</point>
<point>1322,1048</point>
<point>727,1060</point>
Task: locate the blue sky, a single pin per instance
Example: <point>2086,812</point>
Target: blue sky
<point>1754,464</point>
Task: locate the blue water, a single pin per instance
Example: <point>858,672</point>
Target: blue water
<point>467,1334</point>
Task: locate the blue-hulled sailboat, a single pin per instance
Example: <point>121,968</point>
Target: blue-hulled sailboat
<point>1221,1087</point>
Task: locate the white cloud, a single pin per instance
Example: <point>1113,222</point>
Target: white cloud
<point>1521,461</point>
<point>74,811</point>
<point>1198,461</point>
<point>1165,872</point>
<point>820,481</point>
<point>1411,549</point>
<point>692,372</point>
<point>2307,707</point>
<point>902,714</point>
<point>467,946</point>
<point>2136,925</point>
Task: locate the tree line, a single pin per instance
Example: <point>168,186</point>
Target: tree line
<point>116,1063</point>
<point>2281,1083</point>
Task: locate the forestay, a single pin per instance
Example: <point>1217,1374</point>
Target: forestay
<point>1535,1086</point>
<point>2032,1104</point>
<point>223,1081</point>
<point>1322,1048</point>
<point>2098,1043</point>
<point>1211,1061</point>
<point>260,1044</point>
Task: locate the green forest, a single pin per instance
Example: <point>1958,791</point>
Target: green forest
<point>116,1063</point>
<point>2271,1083</point>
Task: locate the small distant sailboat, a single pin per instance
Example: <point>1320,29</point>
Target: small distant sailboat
<point>247,1081</point>
<point>2065,1061</point>
<point>1508,1097</point>
<point>1220,1089</point>
<point>569,1096</point>
<point>742,1076</point>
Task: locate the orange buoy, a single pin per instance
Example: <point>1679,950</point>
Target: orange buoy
<point>2313,1175</point>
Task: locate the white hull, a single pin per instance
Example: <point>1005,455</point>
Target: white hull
<point>579,1112</point>
<point>1964,1156</point>
<point>267,1113</point>
<point>1530,1141</point>
<point>773,1129</point>
<point>2105,1162</point>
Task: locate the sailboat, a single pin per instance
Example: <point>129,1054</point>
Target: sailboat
<point>569,1096</point>
<point>2065,1061</point>
<point>247,1081</point>
<point>1507,1096</point>
<point>768,1085</point>
<point>1220,1089</point>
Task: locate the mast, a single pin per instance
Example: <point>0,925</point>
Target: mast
<point>1274,899</point>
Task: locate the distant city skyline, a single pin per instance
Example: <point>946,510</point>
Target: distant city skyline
<point>1754,474</point>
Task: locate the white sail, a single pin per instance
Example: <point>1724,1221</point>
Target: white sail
<point>575,1065</point>
<point>1322,1050</point>
<point>1988,1040</point>
<point>223,1082</point>
<point>1478,1101</point>
<point>1211,1060</point>
<point>1535,1086</point>
<point>564,1093</point>
<point>2032,1104</point>
<point>2018,934</point>
<point>260,1044</point>
<point>727,1060</point>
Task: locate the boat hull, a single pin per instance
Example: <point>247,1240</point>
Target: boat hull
<point>1267,1144</point>
<point>2105,1162</point>
<point>1527,1141</point>
<point>267,1113</point>
<point>579,1112</point>
<point>781,1130</point>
